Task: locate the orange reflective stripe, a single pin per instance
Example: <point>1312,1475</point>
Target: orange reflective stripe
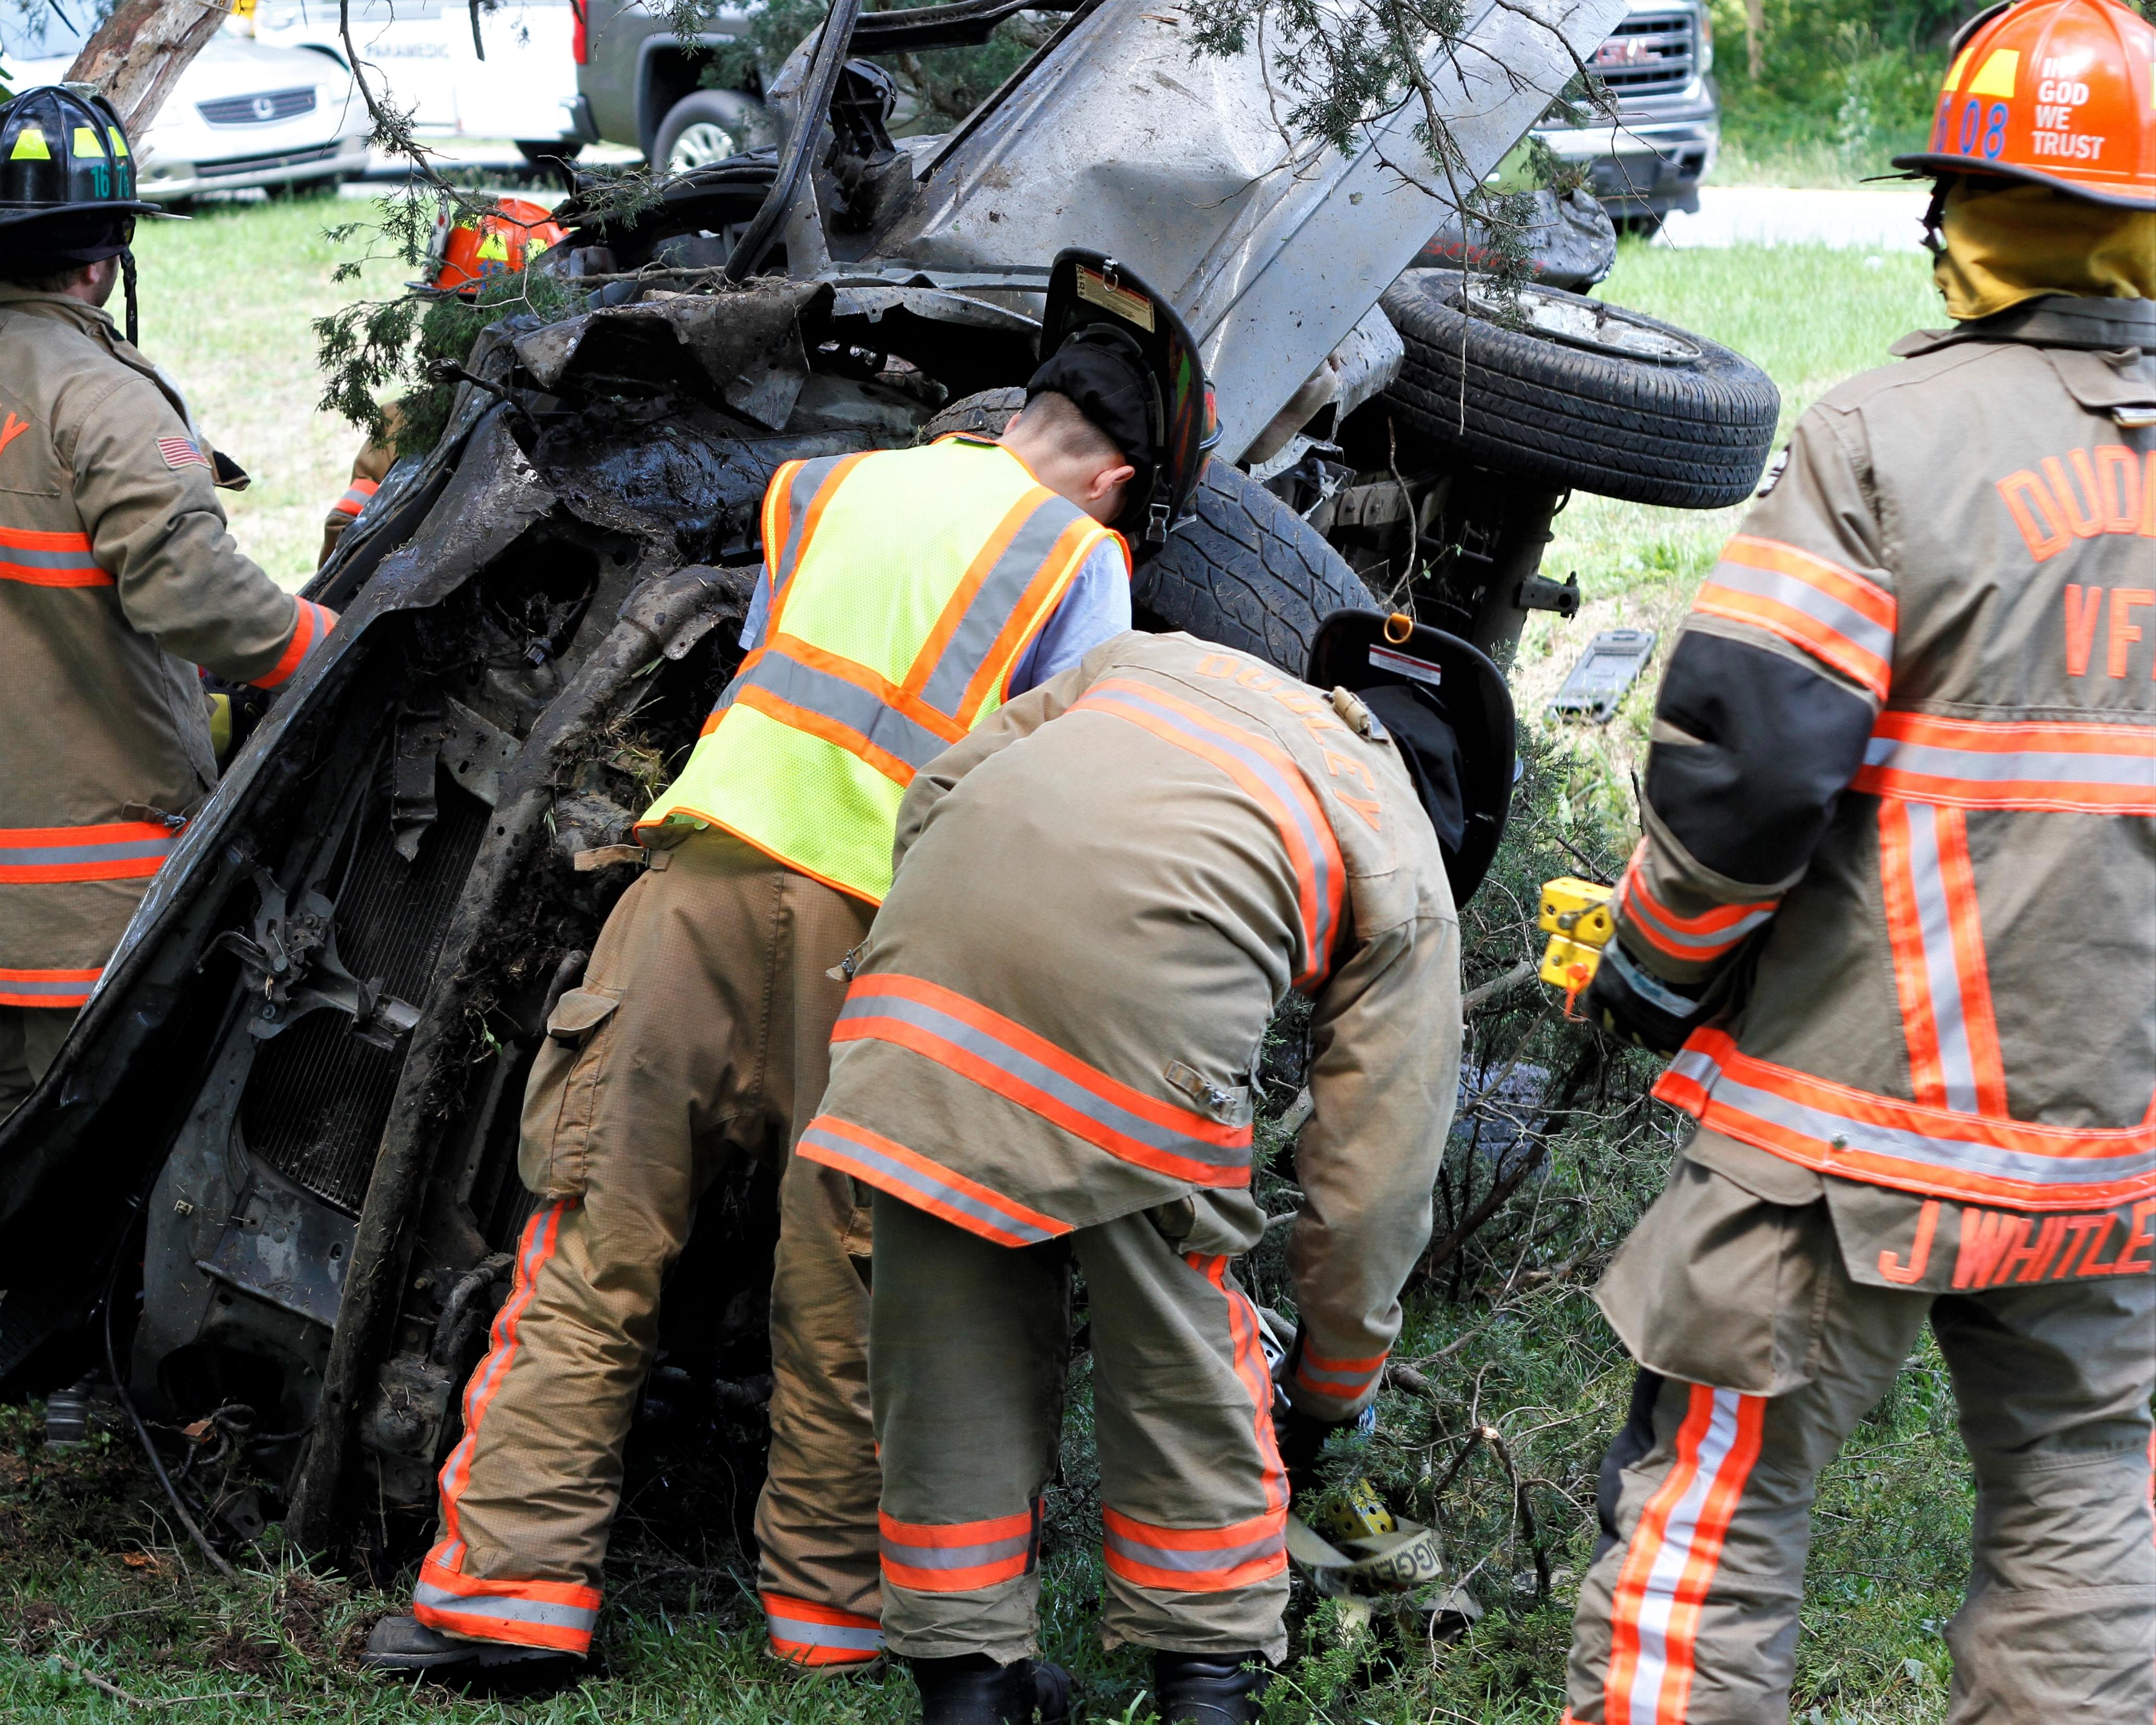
<point>999,1054</point>
<point>1269,775</point>
<point>1342,1379</point>
<point>1940,976</point>
<point>1834,613</point>
<point>978,575</point>
<point>1690,940</point>
<point>46,988</point>
<point>355,497</point>
<point>112,850</point>
<point>1194,1560</point>
<point>1248,1355</point>
<point>40,559</point>
<point>957,1556</point>
<point>1671,1559</point>
<point>925,1184</point>
<point>804,1633</point>
<point>1940,1153</point>
<point>537,1613</point>
<point>842,702</point>
<point>2065,767</point>
<point>312,623</point>
<point>1026,614</point>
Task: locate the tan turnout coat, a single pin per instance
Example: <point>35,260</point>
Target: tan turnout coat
<point>117,580</point>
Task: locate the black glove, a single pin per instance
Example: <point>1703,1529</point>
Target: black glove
<point>1302,1438</point>
<point>1643,1010</point>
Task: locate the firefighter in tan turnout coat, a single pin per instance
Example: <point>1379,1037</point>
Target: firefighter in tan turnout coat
<point>1051,1064</point>
<point>117,580</point>
<point>1897,901</point>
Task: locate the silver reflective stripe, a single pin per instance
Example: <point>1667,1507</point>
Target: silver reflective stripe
<point>1174,1557</point>
<point>909,1178</point>
<point>995,600</point>
<point>843,703</point>
<point>1925,760</point>
<point>25,558</point>
<point>1319,1378</point>
<point>16,985</point>
<point>1798,595</point>
<point>1040,1077</point>
<point>507,1608</point>
<point>1959,1154</point>
<point>822,1634</point>
<point>956,1557</point>
<point>68,856</point>
<point>807,479</point>
<point>1708,945</point>
<point>1941,974</point>
<point>1313,842</point>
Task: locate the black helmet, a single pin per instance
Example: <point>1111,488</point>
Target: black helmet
<point>1118,350</point>
<point>1450,715</point>
<point>67,177</point>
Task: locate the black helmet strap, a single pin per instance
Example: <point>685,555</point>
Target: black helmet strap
<point>127,282</point>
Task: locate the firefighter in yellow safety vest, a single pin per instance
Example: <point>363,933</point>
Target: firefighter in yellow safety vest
<point>1896,904</point>
<point>906,596</point>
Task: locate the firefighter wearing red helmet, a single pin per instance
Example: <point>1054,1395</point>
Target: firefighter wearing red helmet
<point>1893,916</point>
<point>117,580</point>
<point>466,251</point>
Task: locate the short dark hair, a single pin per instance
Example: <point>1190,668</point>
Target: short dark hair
<point>1066,424</point>
<point>42,275</point>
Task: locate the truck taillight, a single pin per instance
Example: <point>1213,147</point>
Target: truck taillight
<point>580,35</point>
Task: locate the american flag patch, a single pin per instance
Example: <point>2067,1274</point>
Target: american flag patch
<point>179,453</point>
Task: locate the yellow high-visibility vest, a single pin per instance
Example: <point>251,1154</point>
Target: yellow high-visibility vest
<point>905,586</point>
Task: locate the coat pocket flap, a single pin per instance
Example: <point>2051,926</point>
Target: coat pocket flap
<point>580,1012</point>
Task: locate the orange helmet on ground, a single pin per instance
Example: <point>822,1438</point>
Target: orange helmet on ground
<point>2060,92</point>
<point>466,250</point>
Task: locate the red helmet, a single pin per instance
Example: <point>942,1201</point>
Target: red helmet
<point>2060,92</point>
<point>466,249</point>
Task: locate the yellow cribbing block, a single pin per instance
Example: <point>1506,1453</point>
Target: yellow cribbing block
<point>1360,1513</point>
<point>1576,915</point>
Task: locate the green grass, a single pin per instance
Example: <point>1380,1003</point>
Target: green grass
<point>91,1573</point>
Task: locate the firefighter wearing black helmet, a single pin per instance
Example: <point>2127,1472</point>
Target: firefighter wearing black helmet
<point>118,580</point>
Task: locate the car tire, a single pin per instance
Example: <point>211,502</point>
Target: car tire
<point>539,151</point>
<point>705,127</point>
<point>982,415</point>
<point>1617,403</point>
<point>1247,571</point>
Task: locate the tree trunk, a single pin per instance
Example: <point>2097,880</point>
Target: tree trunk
<point>135,55</point>
<point>1755,38</point>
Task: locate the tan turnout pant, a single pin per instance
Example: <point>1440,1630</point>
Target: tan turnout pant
<point>701,1031</point>
<point>966,1353</point>
<point>1689,1613</point>
<point>30,1039</point>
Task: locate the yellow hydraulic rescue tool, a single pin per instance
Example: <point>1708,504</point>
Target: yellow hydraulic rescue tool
<point>1576,915</point>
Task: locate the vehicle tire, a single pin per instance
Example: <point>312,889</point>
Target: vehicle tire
<point>982,415</point>
<point>539,151</point>
<point>1248,573</point>
<point>1589,396</point>
<point>705,127</point>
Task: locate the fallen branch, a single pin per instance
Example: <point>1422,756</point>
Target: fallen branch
<point>103,1685</point>
<point>1525,971</point>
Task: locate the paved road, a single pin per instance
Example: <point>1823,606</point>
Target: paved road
<point>1870,219</point>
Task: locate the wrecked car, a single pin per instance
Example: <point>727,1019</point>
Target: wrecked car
<point>277,1154</point>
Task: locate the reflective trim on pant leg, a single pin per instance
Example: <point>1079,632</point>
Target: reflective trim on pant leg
<point>804,1633</point>
<point>1675,1551</point>
<point>957,1556</point>
<point>530,1613</point>
<point>1194,1560</point>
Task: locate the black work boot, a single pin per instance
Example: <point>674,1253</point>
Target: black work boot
<point>1209,1688</point>
<point>405,1647</point>
<point>971,1689</point>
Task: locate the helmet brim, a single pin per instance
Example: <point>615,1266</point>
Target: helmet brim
<point>1464,709</point>
<point>22,217</point>
<point>1937,165</point>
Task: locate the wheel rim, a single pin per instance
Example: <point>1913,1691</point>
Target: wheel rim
<point>700,146</point>
<point>1579,322</point>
